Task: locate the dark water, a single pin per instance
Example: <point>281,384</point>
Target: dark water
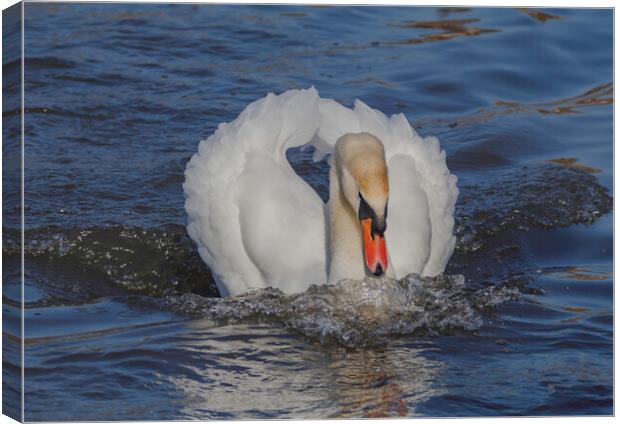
<point>121,319</point>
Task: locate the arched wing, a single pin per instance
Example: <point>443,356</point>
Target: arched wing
<point>250,215</point>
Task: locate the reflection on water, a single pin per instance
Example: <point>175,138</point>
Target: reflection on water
<point>538,14</point>
<point>445,11</point>
<point>253,371</point>
<point>451,29</point>
<point>384,383</point>
<point>591,273</point>
<point>572,162</point>
<point>249,371</point>
<point>599,95</point>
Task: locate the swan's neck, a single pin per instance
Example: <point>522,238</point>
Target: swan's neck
<point>345,259</point>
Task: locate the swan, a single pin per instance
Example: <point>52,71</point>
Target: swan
<point>257,224</point>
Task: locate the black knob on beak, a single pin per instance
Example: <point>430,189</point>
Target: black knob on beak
<point>378,226</point>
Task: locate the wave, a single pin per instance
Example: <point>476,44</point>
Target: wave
<point>537,196</point>
<point>163,260</point>
<point>156,262</point>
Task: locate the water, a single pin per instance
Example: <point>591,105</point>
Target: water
<point>122,319</point>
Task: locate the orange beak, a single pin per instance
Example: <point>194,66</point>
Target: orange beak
<point>375,253</point>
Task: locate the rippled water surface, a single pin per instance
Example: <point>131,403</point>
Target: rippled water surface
<point>122,319</point>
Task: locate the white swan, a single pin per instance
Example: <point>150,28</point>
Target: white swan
<point>258,224</point>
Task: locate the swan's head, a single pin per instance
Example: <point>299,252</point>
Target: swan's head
<point>364,182</point>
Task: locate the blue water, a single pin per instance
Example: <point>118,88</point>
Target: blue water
<point>117,98</point>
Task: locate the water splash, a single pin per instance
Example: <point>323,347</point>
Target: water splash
<point>356,313</point>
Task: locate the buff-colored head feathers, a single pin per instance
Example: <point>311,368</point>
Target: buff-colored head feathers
<point>362,157</point>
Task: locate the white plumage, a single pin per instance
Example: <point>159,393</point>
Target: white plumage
<point>258,224</point>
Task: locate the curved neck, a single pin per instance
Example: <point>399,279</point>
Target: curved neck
<point>345,239</point>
